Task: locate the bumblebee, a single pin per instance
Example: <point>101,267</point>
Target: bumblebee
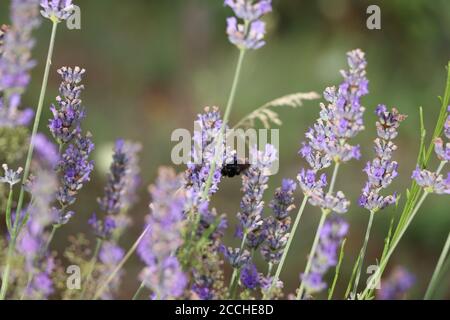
<point>235,169</point>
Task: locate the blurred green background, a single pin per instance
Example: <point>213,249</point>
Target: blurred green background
<point>153,65</point>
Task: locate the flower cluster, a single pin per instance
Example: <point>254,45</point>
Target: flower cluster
<point>73,165</point>
<point>326,256</point>
<point>252,228</point>
<point>163,274</point>
<point>382,170</point>
<point>123,178</point>
<point>340,120</point>
<point>397,285</point>
<point>250,33</point>
<point>68,112</point>
<point>434,182</point>
<point>254,183</point>
<point>16,63</point>
<point>278,225</point>
<point>75,168</point>
<point>313,188</point>
<point>56,10</point>
<point>11,177</point>
<point>33,239</point>
<point>207,129</point>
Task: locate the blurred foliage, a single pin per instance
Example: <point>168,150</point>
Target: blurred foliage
<point>152,65</point>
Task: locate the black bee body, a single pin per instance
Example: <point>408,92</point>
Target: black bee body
<point>234,169</point>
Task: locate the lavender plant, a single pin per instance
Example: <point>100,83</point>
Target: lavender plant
<point>183,247</point>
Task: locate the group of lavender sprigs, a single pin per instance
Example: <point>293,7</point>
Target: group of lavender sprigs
<point>182,244</point>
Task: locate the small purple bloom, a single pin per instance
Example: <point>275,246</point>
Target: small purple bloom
<point>326,255</point>
<point>381,171</point>
<point>250,276</point>
<point>56,9</point>
<point>397,285</point>
<point>163,274</point>
<point>16,63</point>
<point>431,181</point>
<point>277,226</point>
<point>250,34</point>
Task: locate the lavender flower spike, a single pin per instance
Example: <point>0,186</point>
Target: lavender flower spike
<point>278,225</point>
<point>340,120</point>
<point>16,63</point>
<point>332,234</point>
<point>122,178</point>
<point>163,274</point>
<point>382,170</point>
<point>254,183</point>
<point>56,10</point>
<point>75,168</point>
<point>250,34</point>
<point>68,112</point>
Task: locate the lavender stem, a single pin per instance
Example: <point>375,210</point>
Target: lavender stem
<point>362,254</point>
<point>14,234</point>
<point>437,270</point>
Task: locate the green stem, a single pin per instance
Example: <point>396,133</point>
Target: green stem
<point>396,240</point>
<point>91,268</point>
<point>334,177</point>
<point>433,282</point>
<point>289,242</point>
<point>312,253</point>
<point>318,232</point>
<point>338,269</point>
<point>8,209</point>
<point>362,254</point>
<point>139,291</point>
<point>397,237</point>
<point>26,172</point>
<point>130,252</point>
<point>236,272</point>
<point>226,118</point>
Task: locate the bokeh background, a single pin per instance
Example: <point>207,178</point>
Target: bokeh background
<point>153,65</point>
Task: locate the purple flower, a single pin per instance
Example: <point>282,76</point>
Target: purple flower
<point>326,255</point>
<point>397,285</point>
<point>249,10</point>
<point>103,228</point>
<point>382,170</point>
<point>68,112</point>
<point>250,34</point>
<point>236,257</point>
<point>277,226</point>
<point>75,168</point>
<point>123,178</point>
<point>57,10</point>
<point>163,274</point>
<point>251,37</point>
<point>340,120</point>
<point>309,184</point>
<point>16,63</point>
<point>45,152</point>
<point>250,276</point>
<point>207,129</point>
<point>432,182</point>
<point>167,279</point>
